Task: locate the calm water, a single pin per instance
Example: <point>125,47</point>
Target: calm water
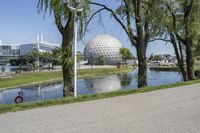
<point>89,86</point>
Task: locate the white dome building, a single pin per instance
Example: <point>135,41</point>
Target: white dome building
<point>103,45</point>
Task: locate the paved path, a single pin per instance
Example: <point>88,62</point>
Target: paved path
<point>166,111</point>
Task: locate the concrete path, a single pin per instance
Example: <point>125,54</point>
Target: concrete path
<point>174,110</point>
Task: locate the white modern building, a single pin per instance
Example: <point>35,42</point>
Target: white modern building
<point>7,52</point>
<point>11,51</point>
<point>40,45</point>
<point>103,45</point>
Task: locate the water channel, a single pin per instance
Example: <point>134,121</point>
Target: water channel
<point>89,86</point>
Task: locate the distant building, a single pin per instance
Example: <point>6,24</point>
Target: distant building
<point>8,52</point>
<point>40,45</point>
<point>162,59</point>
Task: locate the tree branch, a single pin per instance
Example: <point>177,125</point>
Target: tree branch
<point>58,23</point>
<point>131,36</point>
<point>160,39</point>
<point>128,16</point>
<point>71,17</point>
<point>98,11</point>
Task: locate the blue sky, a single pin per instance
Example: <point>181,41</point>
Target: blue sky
<point>20,22</point>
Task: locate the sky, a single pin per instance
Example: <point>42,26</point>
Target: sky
<point>20,22</point>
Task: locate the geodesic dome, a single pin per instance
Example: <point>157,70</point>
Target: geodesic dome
<point>103,45</point>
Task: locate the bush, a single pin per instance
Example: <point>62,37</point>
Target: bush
<point>3,69</point>
<point>101,60</point>
<point>197,74</point>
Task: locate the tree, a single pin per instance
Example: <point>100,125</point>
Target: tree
<point>32,57</point>
<point>47,58</point>
<point>64,20</point>
<point>3,69</point>
<point>182,24</point>
<point>197,50</point>
<point>156,58</point>
<point>17,62</point>
<point>79,56</point>
<point>101,60</point>
<point>126,54</point>
<point>137,19</point>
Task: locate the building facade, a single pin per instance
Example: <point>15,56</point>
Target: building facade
<point>38,46</point>
<point>8,52</point>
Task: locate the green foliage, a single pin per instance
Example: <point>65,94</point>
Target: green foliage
<point>181,16</point>
<point>197,50</point>
<point>156,58</point>
<point>79,56</point>
<point>3,69</point>
<point>32,57</point>
<point>57,56</point>
<point>126,54</point>
<point>17,62</point>
<point>101,60</point>
<point>62,14</point>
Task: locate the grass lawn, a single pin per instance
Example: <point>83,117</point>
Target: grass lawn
<point>37,77</point>
<point>67,100</point>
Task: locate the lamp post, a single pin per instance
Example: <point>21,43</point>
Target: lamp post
<point>75,6</point>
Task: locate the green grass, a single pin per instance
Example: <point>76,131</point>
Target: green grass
<point>38,77</point>
<point>68,100</point>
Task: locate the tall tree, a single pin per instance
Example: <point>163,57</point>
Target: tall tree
<point>136,17</point>
<point>182,24</point>
<point>64,20</point>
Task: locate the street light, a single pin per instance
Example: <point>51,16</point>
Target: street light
<point>75,6</point>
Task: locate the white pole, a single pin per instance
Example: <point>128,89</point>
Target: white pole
<point>75,9</point>
<point>38,47</point>
<point>75,56</point>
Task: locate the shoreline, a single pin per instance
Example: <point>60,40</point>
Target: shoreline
<point>5,108</point>
<point>86,73</point>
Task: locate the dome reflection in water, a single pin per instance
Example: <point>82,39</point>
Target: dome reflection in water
<point>89,86</point>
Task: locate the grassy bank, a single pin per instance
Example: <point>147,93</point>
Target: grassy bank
<point>38,77</point>
<point>67,100</point>
<point>164,68</point>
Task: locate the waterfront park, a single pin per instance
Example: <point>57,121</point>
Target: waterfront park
<point>46,75</point>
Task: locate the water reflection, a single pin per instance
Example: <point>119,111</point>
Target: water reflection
<point>103,84</point>
<point>32,93</point>
<point>125,79</point>
<point>88,86</point>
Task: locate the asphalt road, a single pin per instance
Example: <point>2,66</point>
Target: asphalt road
<point>174,110</point>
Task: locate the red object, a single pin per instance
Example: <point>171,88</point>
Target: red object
<point>19,99</point>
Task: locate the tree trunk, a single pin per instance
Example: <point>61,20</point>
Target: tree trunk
<point>67,63</point>
<point>179,57</point>
<point>142,66</point>
<point>190,60</point>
